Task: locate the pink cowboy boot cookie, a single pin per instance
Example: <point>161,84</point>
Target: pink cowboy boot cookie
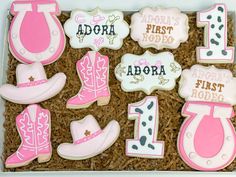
<point>34,127</point>
<point>36,34</point>
<point>207,137</point>
<point>93,70</point>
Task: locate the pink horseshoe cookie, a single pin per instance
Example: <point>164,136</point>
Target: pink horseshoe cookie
<point>207,137</point>
<point>36,34</point>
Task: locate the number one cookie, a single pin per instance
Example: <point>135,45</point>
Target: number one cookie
<point>215,22</point>
<point>144,144</point>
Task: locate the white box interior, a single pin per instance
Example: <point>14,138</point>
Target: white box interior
<point>123,5</point>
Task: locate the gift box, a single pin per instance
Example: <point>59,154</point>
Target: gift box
<point>171,164</point>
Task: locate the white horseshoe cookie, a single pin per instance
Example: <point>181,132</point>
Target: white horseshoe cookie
<point>96,29</point>
<point>148,72</point>
<point>35,34</point>
<point>159,28</point>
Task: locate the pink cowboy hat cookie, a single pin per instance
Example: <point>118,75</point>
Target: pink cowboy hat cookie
<point>89,139</point>
<point>32,85</point>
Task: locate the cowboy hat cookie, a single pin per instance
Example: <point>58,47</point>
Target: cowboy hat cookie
<point>207,138</point>
<point>32,85</point>
<point>159,28</point>
<point>146,116</point>
<point>89,139</point>
<point>214,21</point>
<point>35,34</point>
<point>96,29</point>
<point>93,71</point>
<point>34,128</point>
<point>148,72</point>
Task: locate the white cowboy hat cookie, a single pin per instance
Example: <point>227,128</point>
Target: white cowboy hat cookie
<point>89,139</point>
<point>32,85</point>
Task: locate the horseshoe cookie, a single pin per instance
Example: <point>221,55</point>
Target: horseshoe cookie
<point>36,34</point>
<point>207,137</point>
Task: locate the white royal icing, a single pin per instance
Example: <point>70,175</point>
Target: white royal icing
<point>148,72</point>
<point>215,38</point>
<point>96,29</point>
<point>159,28</point>
<point>210,84</point>
<point>146,116</point>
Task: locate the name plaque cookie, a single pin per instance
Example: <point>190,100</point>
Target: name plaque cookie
<point>159,28</point>
<point>96,29</point>
<point>148,72</point>
<point>210,84</point>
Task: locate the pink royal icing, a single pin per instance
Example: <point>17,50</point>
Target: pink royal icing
<point>33,125</point>
<point>93,70</point>
<point>207,137</point>
<point>35,34</point>
<point>87,138</point>
<point>33,83</point>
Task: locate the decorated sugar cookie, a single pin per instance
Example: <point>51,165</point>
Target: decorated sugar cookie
<point>35,34</point>
<point>32,85</point>
<point>93,71</point>
<point>159,28</point>
<point>215,38</point>
<point>148,72</point>
<point>207,138</point>
<point>34,128</point>
<point>96,29</point>
<point>89,139</point>
<point>210,84</point>
<point>146,116</point>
